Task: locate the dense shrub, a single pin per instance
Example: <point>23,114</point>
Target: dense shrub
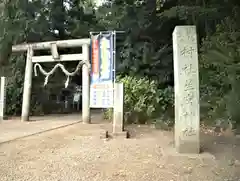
<point>220,74</point>
<point>14,79</point>
<point>143,100</point>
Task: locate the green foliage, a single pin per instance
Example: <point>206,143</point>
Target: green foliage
<point>165,123</point>
<point>143,100</point>
<point>108,114</point>
<point>144,50</point>
<point>220,71</point>
<point>15,77</point>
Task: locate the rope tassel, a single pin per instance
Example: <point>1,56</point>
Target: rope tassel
<point>67,82</point>
<point>46,80</point>
<point>35,69</point>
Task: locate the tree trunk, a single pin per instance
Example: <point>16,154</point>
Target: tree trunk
<point>151,7</point>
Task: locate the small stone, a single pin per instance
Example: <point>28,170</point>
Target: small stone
<point>217,129</point>
<point>189,170</point>
<point>146,161</point>
<point>120,173</point>
<point>152,126</point>
<point>215,172</point>
<point>106,139</point>
<point>237,163</point>
<point>115,174</point>
<point>231,162</point>
<point>229,179</point>
<point>104,135</point>
<point>161,166</point>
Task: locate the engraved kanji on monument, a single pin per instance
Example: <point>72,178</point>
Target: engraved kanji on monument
<point>186,85</point>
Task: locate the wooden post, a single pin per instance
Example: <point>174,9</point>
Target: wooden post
<point>85,87</point>
<point>27,85</point>
<point>118,121</point>
<point>2,98</point>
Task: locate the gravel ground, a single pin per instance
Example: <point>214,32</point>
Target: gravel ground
<point>78,153</point>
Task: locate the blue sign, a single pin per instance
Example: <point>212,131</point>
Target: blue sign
<point>106,58</point>
<point>101,89</point>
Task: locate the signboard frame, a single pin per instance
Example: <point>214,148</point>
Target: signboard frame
<point>102,69</point>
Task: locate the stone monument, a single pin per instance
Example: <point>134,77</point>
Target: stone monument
<point>186,86</point>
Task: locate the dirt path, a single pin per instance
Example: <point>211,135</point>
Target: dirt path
<point>77,153</point>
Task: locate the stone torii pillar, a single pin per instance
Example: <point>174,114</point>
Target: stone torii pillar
<point>27,85</point>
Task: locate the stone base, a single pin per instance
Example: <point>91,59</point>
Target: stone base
<point>24,118</point>
<point>104,135</point>
<point>86,121</point>
<point>171,151</point>
<point>117,128</point>
<point>3,118</point>
<point>188,147</point>
<point>123,134</point>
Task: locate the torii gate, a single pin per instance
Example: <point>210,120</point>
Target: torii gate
<point>55,57</point>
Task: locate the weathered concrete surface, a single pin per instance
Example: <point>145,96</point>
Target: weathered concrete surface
<point>76,153</point>
<point>13,128</point>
